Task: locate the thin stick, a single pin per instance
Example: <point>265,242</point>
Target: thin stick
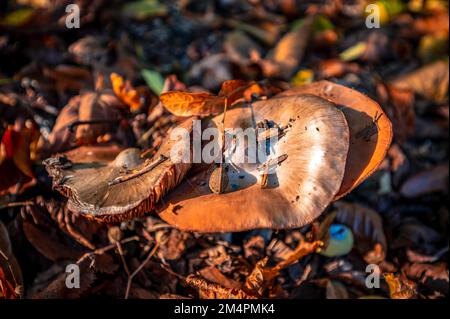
<point>222,157</point>
<point>78,123</point>
<point>142,265</point>
<point>102,250</point>
<point>17,204</point>
<point>146,169</point>
<point>122,257</point>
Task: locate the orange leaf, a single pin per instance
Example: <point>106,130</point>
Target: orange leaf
<point>6,289</point>
<point>189,104</point>
<point>400,287</point>
<point>125,92</point>
<point>16,158</point>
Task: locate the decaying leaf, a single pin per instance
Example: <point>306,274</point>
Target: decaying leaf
<point>17,149</point>
<point>126,93</point>
<point>210,290</point>
<point>367,227</point>
<point>11,281</point>
<point>203,104</point>
<point>288,52</point>
<point>430,81</point>
<point>400,107</point>
<point>84,120</point>
<point>400,287</point>
<point>187,104</point>
<point>428,181</point>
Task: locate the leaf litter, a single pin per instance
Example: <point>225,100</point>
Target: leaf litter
<point>88,96</point>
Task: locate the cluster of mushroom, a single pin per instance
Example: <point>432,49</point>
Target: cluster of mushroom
<point>331,138</point>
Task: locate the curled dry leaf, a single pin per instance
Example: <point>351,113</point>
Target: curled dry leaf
<point>126,93</point>
<point>187,104</point>
<point>370,130</point>
<point>367,227</point>
<point>211,290</point>
<point>17,148</point>
<point>303,185</point>
<point>400,107</point>
<point>400,287</point>
<point>83,120</point>
<point>44,241</point>
<point>434,276</point>
<point>430,81</point>
<point>203,104</point>
<point>11,281</point>
<point>288,52</point>
<point>57,288</point>
<point>428,181</point>
<point>126,187</point>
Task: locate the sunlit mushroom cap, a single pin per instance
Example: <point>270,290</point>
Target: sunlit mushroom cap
<point>90,189</point>
<point>316,144</point>
<point>370,129</point>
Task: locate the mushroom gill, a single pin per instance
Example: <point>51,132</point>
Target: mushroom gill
<point>122,189</point>
<point>313,148</point>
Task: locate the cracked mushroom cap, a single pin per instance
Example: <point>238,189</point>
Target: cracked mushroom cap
<point>316,144</point>
<point>92,188</point>
<point>370,129</point>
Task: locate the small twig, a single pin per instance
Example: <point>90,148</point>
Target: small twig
<point>122,257</point>
<point>141,266</point>
<point>77,123</point>
<point>146,169</point>
<point>102,250</point>
<point>222,150</point>
<point>170,271</point>
<point>75,234</point>
<point>17,204</point>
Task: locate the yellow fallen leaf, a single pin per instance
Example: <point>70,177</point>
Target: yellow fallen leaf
<point>126,93</point>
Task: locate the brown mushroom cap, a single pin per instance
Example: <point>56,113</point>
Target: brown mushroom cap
<point>369,142</point>
<point>316,144</point>
<point>87,184</point>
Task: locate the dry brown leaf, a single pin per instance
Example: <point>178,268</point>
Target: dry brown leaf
<point>203,104</point>
<point>212,274</point>
<point>400,287</point>
<point>336,290</point>
<point>430,81</point>
<point>428,181</point>
<point>46,244</point>
<point>17,148</point>
<point>287,54</point>
<point>57,289</point>
<point>367,227</point>
<point>126,92</point>
<point>188,104</point>
<point>11,280</point>
<point>210,290</point>
<point>400,105</point>
<point>433,276</point>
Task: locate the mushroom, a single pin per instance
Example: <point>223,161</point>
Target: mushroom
<point>122,189</point>
<point>327,140</point>
<point>370,129</point>
<point>310,163</point>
